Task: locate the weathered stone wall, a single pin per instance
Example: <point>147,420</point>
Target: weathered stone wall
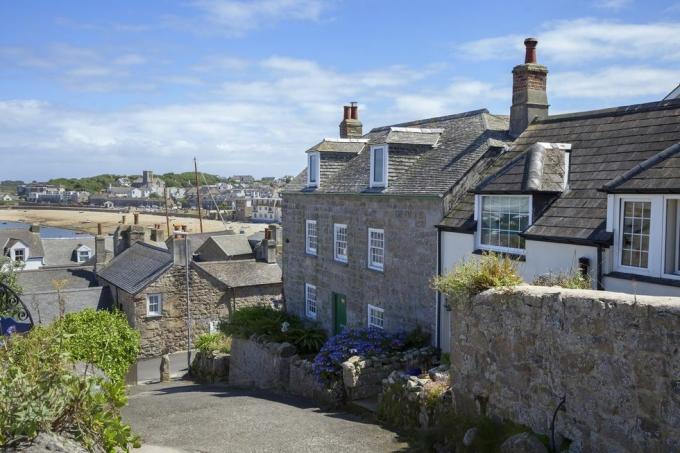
<point>410,245</point>
<point>614,357</point>
<point>258,363</point>
<point>363,377</point>
<point>210,367</point>
<point>210,301</point>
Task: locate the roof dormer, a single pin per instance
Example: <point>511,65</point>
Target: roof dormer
<point>379,165</point>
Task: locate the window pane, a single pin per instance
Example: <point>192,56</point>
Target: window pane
<point>635,233</point>
<point>378,162</point>
<point>503,218</point>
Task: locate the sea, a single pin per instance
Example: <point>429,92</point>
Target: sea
<point>45,231</point>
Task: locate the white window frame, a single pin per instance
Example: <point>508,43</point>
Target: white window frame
<point>372,265</point>
<point>478,219</point>
<point>656,229</point>
<point>308,246</point>
<point>372,309</point>
<point>24,253</point>
<point>336,231</point>
<point>311,305</point>
<point>386,153</point>
<point>150,313</point>
<point>313,168</point>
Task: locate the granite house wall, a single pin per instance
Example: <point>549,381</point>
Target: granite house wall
<point>210,301</point>
<point>402,289</point>
<point>615,358</point>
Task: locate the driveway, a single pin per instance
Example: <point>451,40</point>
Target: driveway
<point>181,416</point>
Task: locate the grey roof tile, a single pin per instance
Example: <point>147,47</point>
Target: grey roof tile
<point>240,273</point>
<point>62,251</point>
<point>42,280</point>
<point>32,240</point>
<point>136,267</point>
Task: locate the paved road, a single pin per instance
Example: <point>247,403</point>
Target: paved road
<point>185,417</point>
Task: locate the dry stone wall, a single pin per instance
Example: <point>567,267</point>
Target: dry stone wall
<point>615,358</point>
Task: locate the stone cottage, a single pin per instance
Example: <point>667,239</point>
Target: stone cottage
<point>360,221</point>
<point>149,283</point>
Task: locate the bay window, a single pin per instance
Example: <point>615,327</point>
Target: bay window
<point>500,220</point>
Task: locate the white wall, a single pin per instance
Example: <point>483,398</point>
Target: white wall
<point>640,288</point>
<point>552,257</point>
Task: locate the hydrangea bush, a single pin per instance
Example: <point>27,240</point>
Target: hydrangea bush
<point>364,342</point>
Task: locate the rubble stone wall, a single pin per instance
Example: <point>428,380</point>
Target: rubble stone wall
<point>615,358</point>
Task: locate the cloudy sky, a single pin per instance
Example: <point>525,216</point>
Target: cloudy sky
<point>89,87</point>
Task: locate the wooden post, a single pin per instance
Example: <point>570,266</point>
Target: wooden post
<point>198,195</point>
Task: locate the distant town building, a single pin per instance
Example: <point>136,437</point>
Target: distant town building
<point>266,210</point>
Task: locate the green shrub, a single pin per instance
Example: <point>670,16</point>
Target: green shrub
<point>40,391</point>
<point>474,276</point>
<point>570,280</point>
<point>101,338</point>
<point>417,338</point>
<point>276,325</point>
<point>209,342</point>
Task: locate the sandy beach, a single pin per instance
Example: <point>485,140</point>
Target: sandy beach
<point>86,221</point>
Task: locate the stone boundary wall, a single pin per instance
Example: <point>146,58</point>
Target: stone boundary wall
<point>363,377</point>
<point>210,367</point>
<point>257,363</point>
<point>615,358</point>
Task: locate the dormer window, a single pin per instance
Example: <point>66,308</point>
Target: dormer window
<point>83,253</point>
<point>500,220</point>
<point>313,170</point>
<point>19,254</point>
<point>379,155</point>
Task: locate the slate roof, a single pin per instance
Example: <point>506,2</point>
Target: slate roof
<point>240,273</point>
<point>605,144</point>
<point>136,267</point>
<point>540,169</point>
<point>658,174</point>
<point>44,306</point>
<point>36,281</point>
<point>420,163</point>
<point>61,251</point>
<point>339,146</point>
<point>229,244</point>
<point>32,240</point>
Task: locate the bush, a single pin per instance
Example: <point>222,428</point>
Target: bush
<point>474,276</point>
<point>327,365</point>
<point>209,342</point>
<point>40,391</point>
<point>275,325</point>
<point>570,280</point>
<point>101,338</point>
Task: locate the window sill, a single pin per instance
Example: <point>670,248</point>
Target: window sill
<point>341,262</point>
<point>374,269</point>
<point>644,278</point>
<point>150,317</point>
<point>512,256</point>
<point>313,255</point>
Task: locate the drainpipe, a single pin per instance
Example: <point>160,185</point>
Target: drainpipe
<point>600,286</point>
<point>439,294</point>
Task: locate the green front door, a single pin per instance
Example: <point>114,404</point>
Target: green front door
<point>340,311</point>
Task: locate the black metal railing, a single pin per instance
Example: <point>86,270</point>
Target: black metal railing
<point>14,315</point>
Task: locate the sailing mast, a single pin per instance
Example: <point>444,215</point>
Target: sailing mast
<point>198,195</point>
<point>167,219</point>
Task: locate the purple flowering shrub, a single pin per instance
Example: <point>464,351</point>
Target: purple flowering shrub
<point>365,342</point>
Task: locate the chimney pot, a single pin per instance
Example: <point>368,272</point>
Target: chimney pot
<point>346,112</point>
<point>99,229</point>
<point>530,55</point>
<point>354,111</point>
<point>136,217</point>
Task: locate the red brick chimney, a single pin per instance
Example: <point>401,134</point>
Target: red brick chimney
<point>351,127</point>
<point>529,96</point>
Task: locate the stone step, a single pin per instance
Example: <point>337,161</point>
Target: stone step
<point>369,404</point>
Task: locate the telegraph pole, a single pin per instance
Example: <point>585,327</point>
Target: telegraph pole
<point>198,195</point>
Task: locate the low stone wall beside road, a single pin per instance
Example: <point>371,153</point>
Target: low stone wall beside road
<point>257,363</point>
<point>614,359</point>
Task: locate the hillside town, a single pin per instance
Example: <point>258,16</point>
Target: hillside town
<point>477,280</point>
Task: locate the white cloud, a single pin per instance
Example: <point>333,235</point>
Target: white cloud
<point>236,17</point>
<point>613,4</point>
<point>614,82</point>
<point>586,40</point>
<point>129,59</point>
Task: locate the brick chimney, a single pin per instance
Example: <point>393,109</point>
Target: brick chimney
<point>529,97</point>
<point>351,127</point>
<point>34,228</point>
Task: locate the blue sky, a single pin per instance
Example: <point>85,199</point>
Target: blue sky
<point>246,86</point>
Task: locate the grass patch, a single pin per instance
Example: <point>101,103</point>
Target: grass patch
<point>474,276</point>
<point>569,280</point>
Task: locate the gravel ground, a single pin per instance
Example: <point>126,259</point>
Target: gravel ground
<point>187,417</point>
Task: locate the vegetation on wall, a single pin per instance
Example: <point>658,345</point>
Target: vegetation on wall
<point>275,325</point>
<point>570,280</point>
<point>42,389</point>
<point>474,276</point>
<point>210,342</point>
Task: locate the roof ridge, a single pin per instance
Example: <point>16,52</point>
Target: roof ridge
<point>642,166</point>
<point>612,111</point>
<point>436,118</point>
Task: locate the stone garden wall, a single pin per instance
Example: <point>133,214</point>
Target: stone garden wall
<point>210,367</point>
<point>257,363</point>
<point>614,358</point>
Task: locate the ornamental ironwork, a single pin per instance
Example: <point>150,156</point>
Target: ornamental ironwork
<point>14,315</point>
